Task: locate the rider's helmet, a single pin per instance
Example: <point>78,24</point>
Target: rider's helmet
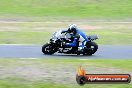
<point>72,28</point>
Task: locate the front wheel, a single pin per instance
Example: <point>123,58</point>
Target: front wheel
<point>91,48</point>
<point>48,49</point>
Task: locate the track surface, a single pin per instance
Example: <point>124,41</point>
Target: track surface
<point>34,51</point>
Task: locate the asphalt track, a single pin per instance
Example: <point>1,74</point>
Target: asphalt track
<point>34,51</point>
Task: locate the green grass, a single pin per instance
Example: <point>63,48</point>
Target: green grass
<point>124,64</point>
<point>110,36</point>
<point>113,36</point>
<point>18,82</point>
<point>75,9</point>
<point>22,83</point>
<point>68,8</point>
<point>24,37</point>
<point>41,32</point>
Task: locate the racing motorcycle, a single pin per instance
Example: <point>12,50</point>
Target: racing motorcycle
<point>58,40</point>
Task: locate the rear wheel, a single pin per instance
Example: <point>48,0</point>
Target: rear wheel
<point>48,49</point>
<point>91,48</point>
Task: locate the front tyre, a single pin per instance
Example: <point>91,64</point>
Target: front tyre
<point>91,48</point>
<point>48,49</point>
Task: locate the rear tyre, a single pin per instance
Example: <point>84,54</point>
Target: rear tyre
<point>91,48</point>
<point>48,49</point>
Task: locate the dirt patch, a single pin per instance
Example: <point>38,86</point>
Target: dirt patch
<point>90,27</point>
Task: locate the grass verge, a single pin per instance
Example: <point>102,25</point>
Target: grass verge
<point>21,83</point>
<point>69,8</point>
<point>39,33</point>
<point>55,66</point>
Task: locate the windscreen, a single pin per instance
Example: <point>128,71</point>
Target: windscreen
<point>58,35</point>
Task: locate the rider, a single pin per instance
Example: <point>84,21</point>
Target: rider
<point>78,37</point>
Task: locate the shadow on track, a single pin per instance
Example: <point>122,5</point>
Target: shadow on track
<point>71,56</point>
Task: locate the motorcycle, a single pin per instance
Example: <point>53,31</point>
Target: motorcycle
<point>58,40</point>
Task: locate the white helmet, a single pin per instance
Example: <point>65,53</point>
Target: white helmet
<point>72,28</point>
